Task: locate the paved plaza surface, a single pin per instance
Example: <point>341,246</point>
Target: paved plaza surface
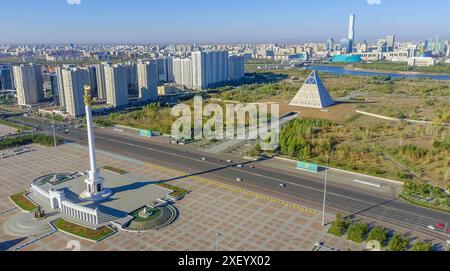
<point>6,130</point>
<point>246,221</point>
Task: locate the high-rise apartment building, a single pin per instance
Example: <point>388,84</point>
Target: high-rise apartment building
<point>116,84</point>
<point>236,68</point>
<point>182,71</point>
<point>147,73</point>
<point>73,81</point>
<point>209,68</point>
<point>93,80</point>
<point>100,73</point>
<point>165,69</point>
<point>132,78</point>
<point>6,77</point>
<point>29,83</point>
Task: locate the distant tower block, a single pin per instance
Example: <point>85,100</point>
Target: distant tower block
<point>313,94</point>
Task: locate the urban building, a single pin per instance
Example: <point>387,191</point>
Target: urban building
<point>116,84</point>
<point>351,32</point>
<point>330,45</point>
<point>132,78</point>
<point>147,72</point>
<point>93,80</point>
<point>51,86</point>
<point>346,46</point>
<point>73,81</point>
<point>167,89</point>
<point>236,68</point>
<point>421,61</point>
<point>165,69</point>
<point>101,84</point>
<point>390,43</point>
<point>6,78</point>
<point>29,83</point>
<point>209,68</point>
<point>182,72</point>
<point>382,46</point>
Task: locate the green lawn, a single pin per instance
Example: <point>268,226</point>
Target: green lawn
<point>115,170</point>
<point>177,191</point>
<point>14,125</point>
<point>94,235</point>
<point>22,202</point>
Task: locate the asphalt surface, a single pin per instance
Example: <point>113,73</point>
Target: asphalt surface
<point>380,207</point>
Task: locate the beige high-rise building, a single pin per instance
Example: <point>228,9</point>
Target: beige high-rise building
<point>73,81</point>
<point>182,71</point>
<point>29,82</point>
<point>147,73</point>
<point>116,84</point>
<point>209,68</point>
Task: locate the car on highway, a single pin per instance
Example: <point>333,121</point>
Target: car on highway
<point>282,185</point>
<point>66,131</point>
<point>240,165</point>
<point>442,227</point>
<point>431,227</point>
<point>203,159</point>
<point>229,161</point>
<point>239,180</point>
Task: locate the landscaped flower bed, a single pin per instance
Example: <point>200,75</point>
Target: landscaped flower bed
<point>83,232</point>
<point>177,191</point>
<point>23,202</point>
<point>115,170</point>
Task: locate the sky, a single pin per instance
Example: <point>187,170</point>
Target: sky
<point>214,21</point>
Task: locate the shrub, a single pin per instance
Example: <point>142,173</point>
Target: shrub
<point>421,246</point>
<point>339,226</point>
<point>398,243</point>
<point>378,234</point>
<point>357,232</point>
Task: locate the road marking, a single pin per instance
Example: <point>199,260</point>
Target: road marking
<point>368,183</point>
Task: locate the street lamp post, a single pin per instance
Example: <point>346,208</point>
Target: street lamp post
<point>325,192</point>
<point>217,241</point>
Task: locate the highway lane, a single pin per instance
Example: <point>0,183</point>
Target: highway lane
<point>300,189</point>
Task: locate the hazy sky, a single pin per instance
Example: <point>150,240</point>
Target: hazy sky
<point>147,21</point>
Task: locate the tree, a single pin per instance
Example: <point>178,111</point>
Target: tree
<point>339,226</point>
<point>398,243</point>
<point>421,246</point>
<point>378,234</point>
<point>357,232</point>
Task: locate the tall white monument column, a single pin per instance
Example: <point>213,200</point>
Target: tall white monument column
<point>95,189</point>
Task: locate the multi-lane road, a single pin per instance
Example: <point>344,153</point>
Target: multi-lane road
<point>305,190</point>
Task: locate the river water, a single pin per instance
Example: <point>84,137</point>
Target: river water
<point>343,71</point>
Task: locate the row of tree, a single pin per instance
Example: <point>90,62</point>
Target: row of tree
<point>359,232</point>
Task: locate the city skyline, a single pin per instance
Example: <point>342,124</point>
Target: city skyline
<point>262,21</point>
